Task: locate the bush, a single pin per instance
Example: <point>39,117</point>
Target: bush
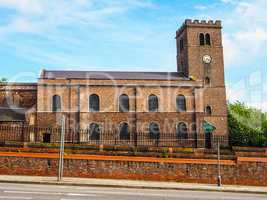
<point>247,126</point>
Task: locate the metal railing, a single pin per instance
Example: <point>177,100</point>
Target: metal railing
<point>33,134</point>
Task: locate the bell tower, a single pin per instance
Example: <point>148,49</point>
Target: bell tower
<point>200,51</point>
<point>200,57</point>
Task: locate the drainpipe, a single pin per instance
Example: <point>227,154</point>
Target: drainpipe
<point>195,121</point>
<point>78,112</point>
<point>135,116</point>
<point>69,109</point>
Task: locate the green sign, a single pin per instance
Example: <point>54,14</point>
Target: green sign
<point>208,127</point>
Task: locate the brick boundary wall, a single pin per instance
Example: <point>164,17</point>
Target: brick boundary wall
<point>242,171</point>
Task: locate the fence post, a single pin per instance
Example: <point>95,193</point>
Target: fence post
<point>22,133</point>
<point>135,139</point>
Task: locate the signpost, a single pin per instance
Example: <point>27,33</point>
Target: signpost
<point>208,129</point>
<point>61,151</point>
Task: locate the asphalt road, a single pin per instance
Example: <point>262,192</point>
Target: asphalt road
<point>51,192</point>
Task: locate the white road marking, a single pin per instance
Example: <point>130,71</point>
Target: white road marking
<point>8,197</point>
<point>84,195</point>
<point>32,192</point>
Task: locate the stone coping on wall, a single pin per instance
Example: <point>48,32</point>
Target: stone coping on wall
<point>119,158</point>
<point>251,159</point>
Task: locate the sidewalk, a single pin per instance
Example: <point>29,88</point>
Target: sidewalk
<point>130,184</point>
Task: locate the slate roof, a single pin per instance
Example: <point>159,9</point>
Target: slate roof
<point>12,114</point>
<point>112,75</point>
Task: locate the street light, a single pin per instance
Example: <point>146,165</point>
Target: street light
<point>219,179</point>
<point>61,150</point>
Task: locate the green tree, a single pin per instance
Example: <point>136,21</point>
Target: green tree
<point>247,126</point>
<point>3,80</point>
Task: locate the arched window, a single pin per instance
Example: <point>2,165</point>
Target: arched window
<point>94,132</point>
<point>207,81</point>
<point>124,103</point>
<point>208,39</point>
<point>153,103</point>
<point>154,132</point>
<point>180,103</point>
<point>181,131</point>
<point>201,39</point>
<point>56,103</point>
<point>124,131</point>
<point>94,103</point>
<point>208,110</point>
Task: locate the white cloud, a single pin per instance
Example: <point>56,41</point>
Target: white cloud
<point>46,15</point>
<point>24,6</point>
<point>201,7</point>
<point>247,34</point>
<point>52,21</point>
<point>227,1</point>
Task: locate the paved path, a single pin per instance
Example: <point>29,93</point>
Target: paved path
<point>56,192</point>
<point>91,182</point>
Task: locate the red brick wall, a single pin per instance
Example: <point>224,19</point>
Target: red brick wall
<point>245,171</point>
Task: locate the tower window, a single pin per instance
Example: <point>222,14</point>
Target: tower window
<point>201,39</point>
<point>56,103</point>
<point>94,103</point>
<point>181,131</point>
<point>207,81</point>
<point>208,110</point>
<point>153,103</point>
<point>207,37</point>
<point>180,103</point>
<point>124,103</point>
<point>181,44</point>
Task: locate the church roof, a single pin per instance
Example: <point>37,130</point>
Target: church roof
<point>112,75</point>
<point>12,114</point>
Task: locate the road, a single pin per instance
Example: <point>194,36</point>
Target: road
<point>54,192</point>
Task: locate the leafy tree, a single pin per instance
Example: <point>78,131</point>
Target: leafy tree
<point>247,126</point>
<point>3,80</point>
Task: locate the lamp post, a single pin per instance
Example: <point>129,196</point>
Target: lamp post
<point>219,178</point>
<point>61,150</point>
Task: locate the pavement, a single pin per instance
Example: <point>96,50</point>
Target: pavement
<point>13,191</point>
<point>92,182</point>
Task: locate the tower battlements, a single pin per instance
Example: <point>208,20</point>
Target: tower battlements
<point>199,23</point>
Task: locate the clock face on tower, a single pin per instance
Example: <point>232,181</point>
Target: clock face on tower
<point>207,59</point>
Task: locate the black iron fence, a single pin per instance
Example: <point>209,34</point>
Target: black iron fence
<point>33,134</point>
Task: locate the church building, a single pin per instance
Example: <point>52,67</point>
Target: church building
<point>181,103</point>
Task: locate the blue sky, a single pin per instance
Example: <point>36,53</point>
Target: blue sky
<point>131,35</point>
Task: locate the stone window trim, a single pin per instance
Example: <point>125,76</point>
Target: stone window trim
<point>94,134</point>
<point>207,39</point>
<point>153,104</point>
<point>152,135</point>
<point>94,104</point>
<point>123,136</point>
<point>181,44</point>
<point>180,103</point>
<point>207,81</point>
<point>56,103</point>
<point>208,110</point>
<point>204,39</point>
<point>121,108</point>
<point>179,134</point>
